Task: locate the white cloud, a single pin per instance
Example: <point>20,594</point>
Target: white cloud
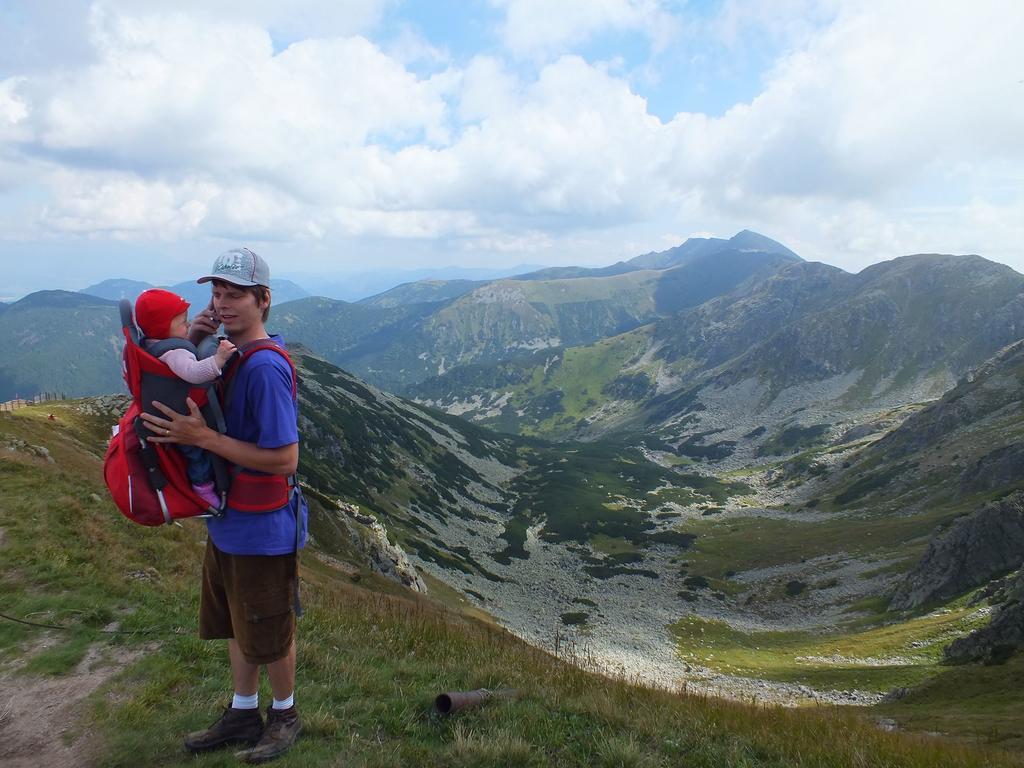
<point>407,224</point>
<point>543,27</point>
<point>216,95</point>
<point>789,23</point>
<point>297,19</point>
<point>122,205</point>
<point>574,143</point>
<point>881,98</point>
<point>193,125</point>
<point>13,108</point>
<point>170,99</point>
<point>520,243</point>
<point>487,90</point>
<point>411,48</point>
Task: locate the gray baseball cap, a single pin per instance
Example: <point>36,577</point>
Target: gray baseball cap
<point>239,266</point>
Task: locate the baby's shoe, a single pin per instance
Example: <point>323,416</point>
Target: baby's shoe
<point>207,493</point>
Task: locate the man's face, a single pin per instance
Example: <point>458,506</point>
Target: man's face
<point>237,307</point>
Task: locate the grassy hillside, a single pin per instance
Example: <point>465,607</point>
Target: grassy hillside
<point>58,341</point>
<point>420,292</point>
<point>550,394</point>
<point>370,662</point>
<point>337,329</point>
<point>460,497</point>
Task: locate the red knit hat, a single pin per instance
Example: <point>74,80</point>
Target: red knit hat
<point>154,310</point>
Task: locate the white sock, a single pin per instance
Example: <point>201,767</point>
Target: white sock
<point>285,703</point>
<point>246,702</point>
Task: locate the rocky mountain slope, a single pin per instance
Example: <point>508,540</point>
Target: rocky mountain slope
<point>931,492</point>
<point>443,325</point>
<point>470,502</point>
<point>807,345</point>
<point>421,292</point>
<point>372,654</point>
<point>1003,636</point>
<point>965,447</point>
<point>977,548</point>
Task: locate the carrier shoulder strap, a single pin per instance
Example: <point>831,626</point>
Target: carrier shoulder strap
<point>244,353</point>
<point>158,347</point>
<point>131,331</point>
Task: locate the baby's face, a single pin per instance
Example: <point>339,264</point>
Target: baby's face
<point>179,327</point>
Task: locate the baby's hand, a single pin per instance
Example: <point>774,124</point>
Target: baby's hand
<point>224,350</point>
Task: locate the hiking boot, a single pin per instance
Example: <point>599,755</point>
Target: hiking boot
<point>236,726</point>
<point>283,728</point>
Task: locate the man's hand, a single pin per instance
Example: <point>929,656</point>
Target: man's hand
<point>192,430</point>
<point>204,324</point>
<point>188,429</point>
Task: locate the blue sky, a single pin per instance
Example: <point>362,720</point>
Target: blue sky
<point>139,138</point>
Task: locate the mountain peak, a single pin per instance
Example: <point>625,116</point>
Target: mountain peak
<point>115,289</point>
<point>695,248</point>
<point>57,298</point>
<point>748,240</point>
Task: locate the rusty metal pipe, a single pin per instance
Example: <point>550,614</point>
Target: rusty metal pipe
<point>455,701</point>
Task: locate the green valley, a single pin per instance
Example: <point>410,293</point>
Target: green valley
<point>371,659</point>
<point>788,485</point>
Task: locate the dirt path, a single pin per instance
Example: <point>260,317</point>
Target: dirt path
<point>40,716</point>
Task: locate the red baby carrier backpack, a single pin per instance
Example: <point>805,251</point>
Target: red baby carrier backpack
<point>149,481</point>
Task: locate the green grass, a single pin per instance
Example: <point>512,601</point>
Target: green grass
<point>514,537</point>
<point>584,378</point>
<point>612,546</point>
<point>369,662</point>
<point>979,702</point>
<point>573,493</point>
<point>873,658</point>
<point>793,438</point>
<point>739,544</point>
<point>555,390</point>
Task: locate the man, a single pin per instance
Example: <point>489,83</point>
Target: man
<point>250,567</point>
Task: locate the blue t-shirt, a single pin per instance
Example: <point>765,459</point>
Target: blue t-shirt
<point>263,412</point>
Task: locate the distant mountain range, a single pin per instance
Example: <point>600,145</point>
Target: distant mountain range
<point>195,293</point>
<point>422,330</point>
<point>805,335</point>
<point>358,286</point>
<point>691,348</point>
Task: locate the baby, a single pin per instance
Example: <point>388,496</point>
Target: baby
<point>160,315</point>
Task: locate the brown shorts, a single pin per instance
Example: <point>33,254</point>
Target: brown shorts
<point>249,598</point>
